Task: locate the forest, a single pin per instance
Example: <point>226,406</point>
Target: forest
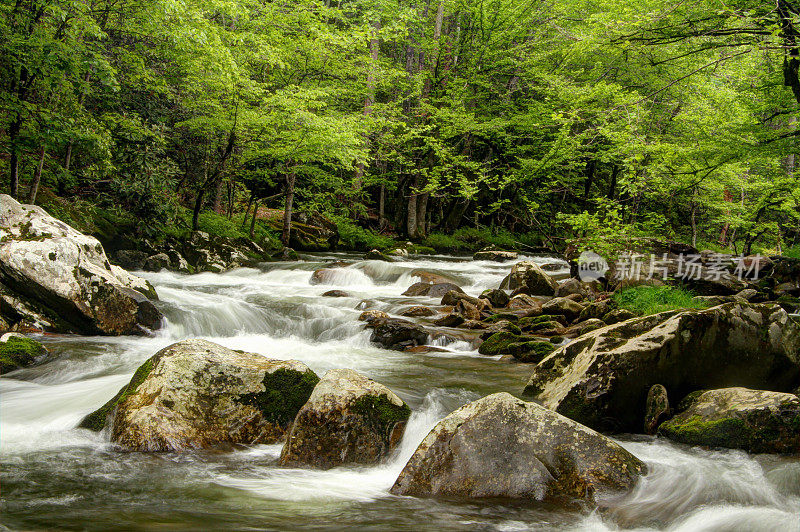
<point>450,123</point>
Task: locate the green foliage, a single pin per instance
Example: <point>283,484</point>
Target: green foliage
<point>646,300</point>
<point>444,243</point>
<point>354,237</point>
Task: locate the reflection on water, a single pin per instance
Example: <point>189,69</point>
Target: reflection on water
<point>55,476</point>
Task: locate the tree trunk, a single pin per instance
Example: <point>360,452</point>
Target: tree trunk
<point>422,215</point>
<point>253,221</point>
<point>382,209</point>
<point>612,186</point>
<point>411,219</point>
<point>13,135</point>
<point>287,210</point>
<point>247,210</point>
<point>217,207</point>
<point>198,204</point>
<point>37,178</point>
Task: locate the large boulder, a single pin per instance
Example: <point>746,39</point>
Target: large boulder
<point>196,394</point>
<point>349,419</point>
<point>602,378</point>
<point>66,275</point>
<point>396,333</point>
<point>529,277</point>
<point>757,421</point>
<point>500,446</point>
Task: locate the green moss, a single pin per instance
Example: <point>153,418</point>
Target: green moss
<point>494,318</point>
<point>540,322</point>
<point>381,413</point>
<point>726,432</point>
<point>689,400</point>
<point>19,353</point>
<point>285,393</point>
<point>96,421</point>
<point>532,351</point>
<point>498,343</point>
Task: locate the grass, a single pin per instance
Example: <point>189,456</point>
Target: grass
<point>646,300</point>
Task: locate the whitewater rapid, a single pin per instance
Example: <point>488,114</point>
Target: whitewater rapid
<point>57,476</point>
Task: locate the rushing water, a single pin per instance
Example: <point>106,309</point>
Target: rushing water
<point>56,476</point>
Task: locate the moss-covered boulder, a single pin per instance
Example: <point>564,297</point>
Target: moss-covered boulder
<point>50,266</point>
<point>602,378</point>
<point>431,289</point>
<point>656,409</point>
<point>501,446</point>
<point>349,419</point>
<point>757,421</point>
<point>17,351</point>
<point>497,343</point>
<point>531,351</point>
<point>196,394</point>
<point>531,278</point>
<point>563,306</point>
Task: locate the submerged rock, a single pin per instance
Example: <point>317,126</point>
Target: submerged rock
<point>196,394</point>
<point>602,378</point>
<point>757,421</point>
<point>17,351</point>
<point>500,446</point>
<point>349,419</point>
<point>66,276</point>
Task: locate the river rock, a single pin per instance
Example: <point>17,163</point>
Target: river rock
<point>18,351</point>
<point>156,263</point>
<point>196,394</point>
<point>602,378</point>
<point>335,293</point>
<point>530,277</point>
<point>656,408</point>
<point>431,290</point>
<point>349,419</point>
<point>372,316</point>
<point>563,306</point>
<point>376,255</point>
<point>66,274</point>
<point>757,421</point>
<point>430,277</point>
<point>496,298</point>
<point>454,296</point>
<point>500,446</point>
<point>397,334</point>
<point>495,255</point>
<point>418,311</point>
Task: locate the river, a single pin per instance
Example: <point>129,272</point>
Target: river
<point>56,476</point>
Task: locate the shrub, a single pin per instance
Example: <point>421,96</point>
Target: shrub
<point>442,242</point>
<point>646,300</point>
<point>358,238</point>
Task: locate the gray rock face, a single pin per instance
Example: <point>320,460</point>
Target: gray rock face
<point>757,421</point>
<point>196,394</point>
<point>602,378</point>
<point>500,446</point>
<point>564,307</point>
<point>65,275</point>
<point>349,419</point>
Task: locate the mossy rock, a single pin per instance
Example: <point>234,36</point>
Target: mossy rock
<point>19,352</point>
<point>531,351</point>
<point>494,318</point>
<point>535,322</point>
<point>285,392</point>
<point>756,421</point>
<point>497,344</point>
